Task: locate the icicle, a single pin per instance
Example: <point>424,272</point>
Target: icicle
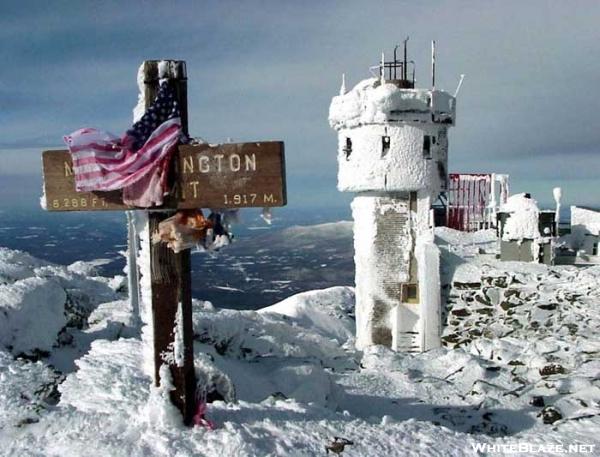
<point>382,69</point>
<point>343,86</point>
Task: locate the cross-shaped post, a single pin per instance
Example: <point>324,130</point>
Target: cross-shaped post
<point>203,176</point>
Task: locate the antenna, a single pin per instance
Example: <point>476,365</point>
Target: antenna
<point>459,85</point>
<point>343,86</point>
<point>433,65</point>
<point>382,69</point>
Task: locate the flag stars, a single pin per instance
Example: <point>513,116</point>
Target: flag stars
<point>164,108</point>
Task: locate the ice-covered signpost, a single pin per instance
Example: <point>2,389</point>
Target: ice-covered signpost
<point>202,176</point>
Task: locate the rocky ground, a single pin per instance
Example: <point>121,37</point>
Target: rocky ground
<point>519,363</point>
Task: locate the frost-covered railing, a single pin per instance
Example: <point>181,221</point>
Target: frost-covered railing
<point>473,201</point>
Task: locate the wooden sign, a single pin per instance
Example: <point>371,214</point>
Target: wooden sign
<point>235,175</point>
<point>231,175</point>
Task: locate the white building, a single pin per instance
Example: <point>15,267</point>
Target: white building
<point>585,232</point>
<point>522,233</point>
<point>393,153</point>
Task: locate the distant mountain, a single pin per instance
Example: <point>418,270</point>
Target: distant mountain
<point>260,270</point>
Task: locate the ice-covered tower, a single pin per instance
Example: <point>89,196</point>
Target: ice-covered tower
<point>393,153</point>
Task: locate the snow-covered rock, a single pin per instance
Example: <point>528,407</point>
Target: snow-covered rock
<point>38,299</point>
<point>32,312</point>
<point>329,312</point>
<point>27,390</point>
<point>533,320</point>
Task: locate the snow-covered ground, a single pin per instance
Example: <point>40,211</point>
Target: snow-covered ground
<point>72,383</point>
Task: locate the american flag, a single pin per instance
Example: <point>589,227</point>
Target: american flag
<point>104,162</point>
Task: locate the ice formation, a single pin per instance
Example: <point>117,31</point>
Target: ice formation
<point>406,119</point>
<point>371,102</point>
<point>523,223</point>
<point>585,218</point>
<point>585,229</point>
<point>393,153</point>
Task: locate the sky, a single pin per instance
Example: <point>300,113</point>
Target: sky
<point>261,70</point>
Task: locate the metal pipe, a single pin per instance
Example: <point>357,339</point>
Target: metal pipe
<point>433,64</point>
<point>395,60</point>
<point>405,76</point>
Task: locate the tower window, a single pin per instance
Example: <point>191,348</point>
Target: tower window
<point>427,147</point>
<point>348,148</point>
<point>385,145</point>
<point>410,293</point>
<point>595,248</point>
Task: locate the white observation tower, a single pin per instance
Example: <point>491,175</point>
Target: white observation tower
<point>393,154</point>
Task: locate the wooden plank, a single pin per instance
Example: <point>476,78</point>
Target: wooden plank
<point>171,285</point>
<point>59,188</point>
<point>236,175</point>
<point>171,279</point>
<point>231,175</point>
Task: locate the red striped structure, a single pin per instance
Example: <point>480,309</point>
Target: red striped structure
<point>468,197</point>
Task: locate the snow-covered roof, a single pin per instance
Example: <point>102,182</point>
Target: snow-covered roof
<point>372,102</point>
<point>585,219</point>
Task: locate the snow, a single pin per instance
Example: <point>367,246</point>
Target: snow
<point>143,263</point>
<point>379,261</point>
<point>32,314</point>
<point>585,233</point>
<point>108,380</point>
<point>37,300</point>
<point>584,221</point>
<point>428,259</point>
<point>140,107</point>
<point>523,222</point>
<point>176,353</point>
<point>27,391</point>
<point>292,378</point>
<point>372,111</point>
<point>370,102</point>
<point>327,311</point>
<point>403,168</point>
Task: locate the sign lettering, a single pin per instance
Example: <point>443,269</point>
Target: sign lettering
<point>222,176</point>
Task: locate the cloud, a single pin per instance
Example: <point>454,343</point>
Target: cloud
<point>268,69</point>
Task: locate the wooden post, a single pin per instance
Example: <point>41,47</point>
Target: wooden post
<point>171,275</point>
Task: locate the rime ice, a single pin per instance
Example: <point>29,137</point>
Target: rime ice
<point>393,153</point>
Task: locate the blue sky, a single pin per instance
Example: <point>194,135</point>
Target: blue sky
<point>268,69</point>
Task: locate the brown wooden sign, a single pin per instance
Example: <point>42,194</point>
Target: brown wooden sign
<point>235,175</point>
